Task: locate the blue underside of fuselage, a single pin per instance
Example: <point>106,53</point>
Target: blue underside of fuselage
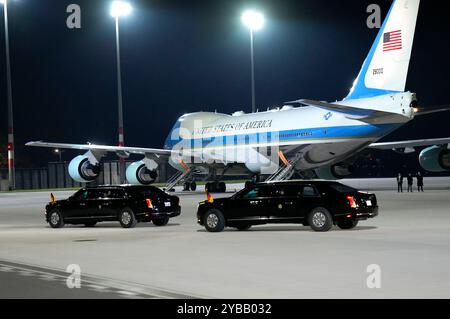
<point>300,136</point>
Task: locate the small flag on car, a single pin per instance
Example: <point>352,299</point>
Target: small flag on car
<point>52,198</point>
<point>209,197</point>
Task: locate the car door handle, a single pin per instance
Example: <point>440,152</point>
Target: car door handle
<point>82,204</point>
<point>289,203</point>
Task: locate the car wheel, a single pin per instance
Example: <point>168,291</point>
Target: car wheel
<point>243,227</point>
<point>90,224</point>
<point>56,220</point>
<point>320,220</point>
<point>127,218</point>
<point>161,221</point>
<point>347,224</point>
<point>214,221</point>
<point>193,186</point>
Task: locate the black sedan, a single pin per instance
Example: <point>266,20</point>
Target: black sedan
<point>318,204</point>
<point>127,204</point>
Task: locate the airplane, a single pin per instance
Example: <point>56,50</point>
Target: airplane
<point>312,138</point>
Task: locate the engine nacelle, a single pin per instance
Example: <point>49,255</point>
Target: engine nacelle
<point>334,172</point>
<point>260,164</point>
<point>435,159</point>
<point>84,168</point>
<point>142,172</point>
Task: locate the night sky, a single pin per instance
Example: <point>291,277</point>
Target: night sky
<point>186,56</point>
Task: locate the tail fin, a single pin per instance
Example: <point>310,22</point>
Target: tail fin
<point>386,67</point>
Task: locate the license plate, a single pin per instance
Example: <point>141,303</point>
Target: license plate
<point>369,203</point>
<point>167,204</point>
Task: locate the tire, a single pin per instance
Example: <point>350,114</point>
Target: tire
<point>214,221</point>
<point>243,227</point>
<point>320,219</point>
<point>222,187</point>
<point>193,186</point>
<point>127,218</point>
<point>347,224</point>
<point>55,219</point>
<point>90,224</point>
<point>162,221</point>
<point>186,186</point>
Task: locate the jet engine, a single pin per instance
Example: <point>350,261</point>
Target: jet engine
<point>84,168</point>
<point>334,172</point>
<point>142,172</point>
<point>435,159</point>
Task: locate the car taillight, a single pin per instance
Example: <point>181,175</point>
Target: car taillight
<point>149,202</point>
<point>351,201</point>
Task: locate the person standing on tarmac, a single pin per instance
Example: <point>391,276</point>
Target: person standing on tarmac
<point>410,182</point>
<point>400,183</point>
<point>419,182</point>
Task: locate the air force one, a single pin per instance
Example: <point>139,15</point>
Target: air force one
<point>312,137</point>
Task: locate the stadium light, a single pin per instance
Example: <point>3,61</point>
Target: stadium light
<point>254,21</point>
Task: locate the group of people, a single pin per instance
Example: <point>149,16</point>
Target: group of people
<point>410,179</point>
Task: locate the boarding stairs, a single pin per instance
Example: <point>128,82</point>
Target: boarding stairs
<point>177,178</point>
<point>286,171</point>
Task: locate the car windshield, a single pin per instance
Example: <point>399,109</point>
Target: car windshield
<point>341,188</point>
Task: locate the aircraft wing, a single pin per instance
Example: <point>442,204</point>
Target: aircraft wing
<point>120,150</point>
<point>414,143</point>
<point>348,111</point>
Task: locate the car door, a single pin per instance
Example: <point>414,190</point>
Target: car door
<point>310,199</point>
<point>113,203</point>
<point>100,204</point>
<point>249,205</point>
<point>284,203</point>
<point>77,207</point>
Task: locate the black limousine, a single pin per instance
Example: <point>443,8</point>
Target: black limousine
<point>127,204</point>
<point>318,204</point>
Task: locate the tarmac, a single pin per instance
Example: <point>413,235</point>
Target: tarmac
<point>409,244</point>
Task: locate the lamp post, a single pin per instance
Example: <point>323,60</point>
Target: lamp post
<point>254,21</point>
<point>10,147</point>
<point>59,152</point>
<point>120,9</point>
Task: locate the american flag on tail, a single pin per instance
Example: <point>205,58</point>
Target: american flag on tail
<point>392,41</point>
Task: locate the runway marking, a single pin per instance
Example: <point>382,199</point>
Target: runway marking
<point>127,293</point>
<point>97,284</point>
<point>26,273</point>
<point>48,277</point>
<point>97,287</point>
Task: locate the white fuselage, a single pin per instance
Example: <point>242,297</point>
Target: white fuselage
<point>315,137</point>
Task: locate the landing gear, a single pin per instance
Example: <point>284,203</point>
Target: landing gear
<point>216,187</point>
<point>189,186</point>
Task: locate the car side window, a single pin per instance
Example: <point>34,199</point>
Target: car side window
<point>80,195</point>
<point>117,194</point>
<point>310,191</point>
<point>94,194</point>
<point>255,192</point>
<point>287,191</point>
